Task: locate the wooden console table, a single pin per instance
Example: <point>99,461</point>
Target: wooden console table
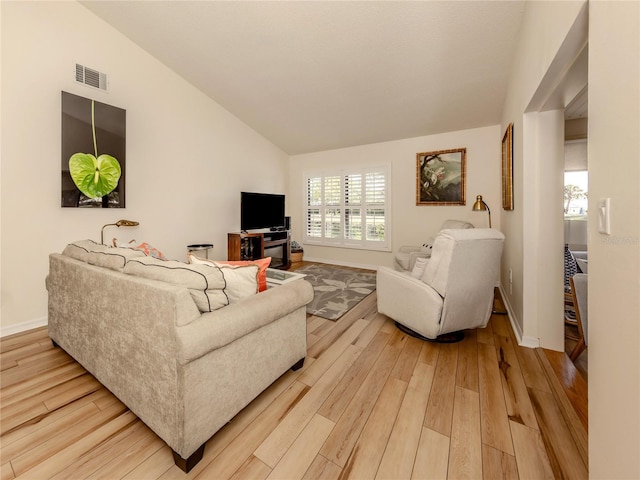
<point>252,246</point>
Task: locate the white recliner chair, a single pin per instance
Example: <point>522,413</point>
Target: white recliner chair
<point>453,293</point>
<point>405,257</point>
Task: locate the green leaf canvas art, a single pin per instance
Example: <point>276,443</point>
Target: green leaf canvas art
<point>93,153</point>
<point>95,177</point>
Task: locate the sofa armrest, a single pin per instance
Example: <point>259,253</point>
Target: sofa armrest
<point>216,329</point>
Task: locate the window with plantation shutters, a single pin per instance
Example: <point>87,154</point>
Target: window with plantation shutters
<point>348,208</point>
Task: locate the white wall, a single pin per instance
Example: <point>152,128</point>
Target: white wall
<point>614,172</point>
<point>614,260</point>
<point>412,225</point>
<point>538,62</point>
<point>187,158</point>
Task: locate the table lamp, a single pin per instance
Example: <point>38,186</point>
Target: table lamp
<point>119,223</point>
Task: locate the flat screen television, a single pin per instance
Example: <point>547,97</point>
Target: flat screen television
<point>261,210</point>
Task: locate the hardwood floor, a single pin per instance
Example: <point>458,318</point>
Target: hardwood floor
<point>370,402</point>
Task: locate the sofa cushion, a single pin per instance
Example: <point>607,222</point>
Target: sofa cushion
<point>262,263</point>
<point>100,255</point>
<point>81,249</point>
<point>114,258</point>
<point>205,283</point>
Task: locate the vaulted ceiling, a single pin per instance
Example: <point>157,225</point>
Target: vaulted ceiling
<point>319,75</point>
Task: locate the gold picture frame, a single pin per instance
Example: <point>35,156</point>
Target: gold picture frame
<point>441,177</point>
<point>507,168</point>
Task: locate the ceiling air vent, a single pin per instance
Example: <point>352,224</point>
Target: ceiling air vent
<point>91,77</point>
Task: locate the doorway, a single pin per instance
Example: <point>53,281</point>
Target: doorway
<point>544,143</point>
<point>575,208</point>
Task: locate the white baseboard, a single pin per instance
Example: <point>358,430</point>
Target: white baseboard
<point>523,341</point>
<point>529,342</point>
<point>23,327</point>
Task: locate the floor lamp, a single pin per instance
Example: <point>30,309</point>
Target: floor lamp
<point>481,206</point>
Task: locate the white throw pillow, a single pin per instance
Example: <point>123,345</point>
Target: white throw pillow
<point>427,246</point>
<point>241,281</point>
<point>418,267</point>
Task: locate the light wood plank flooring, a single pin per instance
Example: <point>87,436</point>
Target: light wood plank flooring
<point>370,403</point>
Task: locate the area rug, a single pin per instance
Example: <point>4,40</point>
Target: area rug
<point>336,290</point>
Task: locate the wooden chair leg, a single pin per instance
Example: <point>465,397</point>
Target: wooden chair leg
<point>568,302</point>
<point>577,350</point>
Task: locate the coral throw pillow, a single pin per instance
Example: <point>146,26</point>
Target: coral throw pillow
<point>150,251</point>
<point>144,247</point>
<point>262,263</point>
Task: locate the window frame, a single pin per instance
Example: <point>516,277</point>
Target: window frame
<point>343,205</point>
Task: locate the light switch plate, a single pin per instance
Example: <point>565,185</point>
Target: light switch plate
<point>604,216</point>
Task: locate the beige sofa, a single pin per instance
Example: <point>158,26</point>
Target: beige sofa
<point>183,372</point>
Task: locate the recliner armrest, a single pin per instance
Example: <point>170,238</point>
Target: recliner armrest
<point>409,248</point>
<point>413,256</point>
<point>412,252</point>
<point>408,300</point>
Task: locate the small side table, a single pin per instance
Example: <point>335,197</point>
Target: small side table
<point>198,247</point>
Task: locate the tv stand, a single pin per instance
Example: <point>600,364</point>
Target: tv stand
<point>252,246</point>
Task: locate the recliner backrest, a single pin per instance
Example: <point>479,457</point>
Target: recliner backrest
<point>456,224</point>
<point>448,224</point>
<point>463,269</point>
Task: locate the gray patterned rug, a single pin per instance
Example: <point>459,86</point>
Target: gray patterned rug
<point>336,290</point>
